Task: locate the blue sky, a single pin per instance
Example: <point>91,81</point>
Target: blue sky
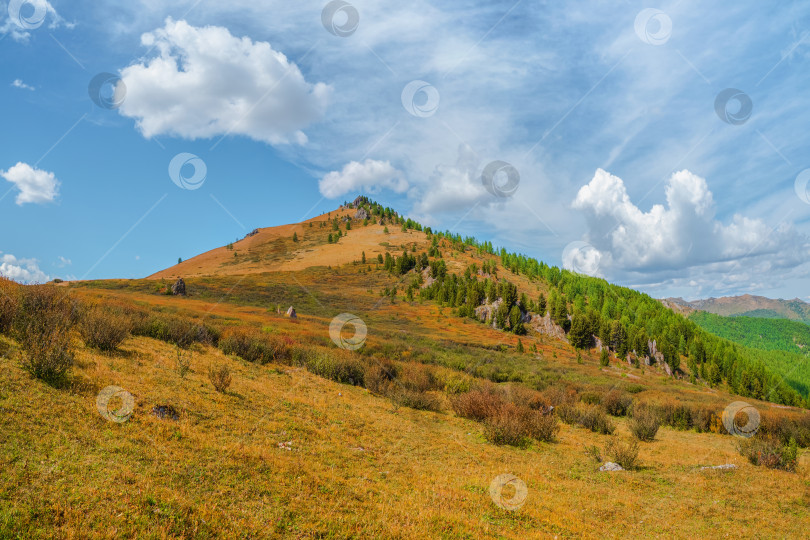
<point>634,162</point>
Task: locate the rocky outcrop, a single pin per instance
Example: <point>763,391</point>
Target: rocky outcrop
<point>362,213</point>
<point>291,313</point>
<point>179,287</point>
<point>544,325</point>
<point>487,311</point>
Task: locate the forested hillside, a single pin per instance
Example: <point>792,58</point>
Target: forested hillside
<point>624,319</point>
<point>787,342</point>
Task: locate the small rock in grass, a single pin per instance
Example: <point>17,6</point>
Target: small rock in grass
<point>723,467</point>
<point>611,467</point>
<point>165,411</point>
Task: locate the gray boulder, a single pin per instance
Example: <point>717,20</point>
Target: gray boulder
<point>179,287</point>
<point>291,313</point>
<point>611,467</point>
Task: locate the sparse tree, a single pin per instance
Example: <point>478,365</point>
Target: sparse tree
<point>604,357</point>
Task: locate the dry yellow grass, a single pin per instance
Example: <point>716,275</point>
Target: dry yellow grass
<point>357,467</point>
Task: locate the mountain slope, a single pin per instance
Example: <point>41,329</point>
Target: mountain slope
<point>747,305</point>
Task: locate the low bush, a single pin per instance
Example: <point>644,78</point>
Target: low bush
<point>676,415</point>
<point>522,396</point>
<point>557,395</point>
<point>594,418</point>
<point>253,345</point>
<point>591,398</point>
<point>417,377</point>
<point>174,329</point>
<point>517,426</point>
<point>644,424</point>
<point>477,404</point>
<point>9,292</point>
<point>507,427</point>
<point>220,377</point>
<point>623,453</point>
<point>616,402</point>
<point>770,452</point>
<point>104,328</point>
<point>379,377</point>
<point>423,401</point>
<point>593,452</point>
<point>42,322</point>
<point>635,388</point>
<point>340,368</point>
<point>568,413</point>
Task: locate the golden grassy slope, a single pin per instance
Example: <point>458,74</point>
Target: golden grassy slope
<point>357,467</point>
<point>273,249</point>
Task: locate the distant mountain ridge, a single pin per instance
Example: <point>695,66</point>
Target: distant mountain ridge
<point>745,305</point>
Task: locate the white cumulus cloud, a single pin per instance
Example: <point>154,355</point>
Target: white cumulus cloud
<point>370,176</point>
<point>682,242</point>
<point>206,82</point>
<point>21,270</point>
<point>35,185</point>
<point>17,83</point>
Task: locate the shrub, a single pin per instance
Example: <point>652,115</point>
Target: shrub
<point>676,415</point>
<point>568,413</point>
<point>378,377</point>
<point>525,397</point>
<point>104,328</point>
<point>623,453</point>
<point>173,329</point>
<point>422,401</point>
<point>477,404</point>
<point>42,323</point>
<point>418,378</point>
<point>517,426</point>
<point>9,292</point>
<point>334,366</point>
<point>253,345</point>
<point>220,377</point>
<point>616,402</point>
<point>595,419</point>
<point>644,424</point>
<point>591,398</point>
<point>543,427</point>
<point>557,395</point>
<point>769,452</point>
<point>594,453</point>
<point>183,363</point>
